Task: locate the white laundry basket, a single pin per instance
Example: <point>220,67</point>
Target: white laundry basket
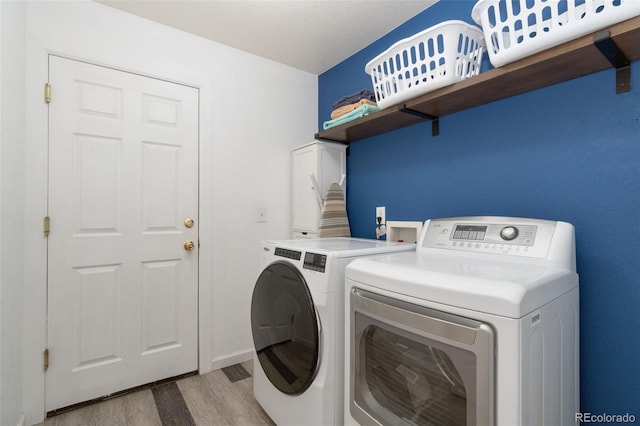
<point>436,57</point>
<point>514,29</point>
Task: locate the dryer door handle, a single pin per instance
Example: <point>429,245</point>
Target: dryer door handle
<point>418,318</point>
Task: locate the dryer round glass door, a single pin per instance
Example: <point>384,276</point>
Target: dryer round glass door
<point>285,328</point>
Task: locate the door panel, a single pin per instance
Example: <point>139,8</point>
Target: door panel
<point>97,184</point>
<point>161,191</point>
<point>161,287</point>
<point>96,307</point>
<point>122,289</point>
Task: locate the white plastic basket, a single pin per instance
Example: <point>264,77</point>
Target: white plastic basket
<point>514,29</point>
<point>436,57</point>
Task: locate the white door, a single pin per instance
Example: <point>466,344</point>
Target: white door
<point>123,179</point>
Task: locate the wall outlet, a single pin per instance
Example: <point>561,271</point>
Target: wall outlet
<point>381,221</point>
<point>380,213</point>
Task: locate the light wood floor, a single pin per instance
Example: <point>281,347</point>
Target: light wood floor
<point>211,399</point>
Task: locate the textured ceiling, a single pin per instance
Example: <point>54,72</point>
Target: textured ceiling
<point>311,35</point>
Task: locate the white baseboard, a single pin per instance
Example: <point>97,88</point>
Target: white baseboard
<point>232,359</point>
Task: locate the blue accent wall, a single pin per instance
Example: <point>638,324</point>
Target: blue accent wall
<point>568,152</point>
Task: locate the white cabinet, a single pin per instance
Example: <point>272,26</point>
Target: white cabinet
<point>314,167</point>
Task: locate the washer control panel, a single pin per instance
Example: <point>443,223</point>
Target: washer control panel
<point>510,236</point>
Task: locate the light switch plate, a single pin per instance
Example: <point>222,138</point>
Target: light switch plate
<point>261,215</point>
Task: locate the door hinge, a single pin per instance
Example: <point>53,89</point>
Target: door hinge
<point>45,359</point>
<point>47,226</point>
<point>47,92</point>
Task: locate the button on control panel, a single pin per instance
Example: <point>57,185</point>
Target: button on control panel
<point>509,233</point>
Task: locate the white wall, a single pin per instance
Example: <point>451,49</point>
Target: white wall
<point>252,112</point>
<point>12,83</point>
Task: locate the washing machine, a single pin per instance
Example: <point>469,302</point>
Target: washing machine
<point>297,322</point>
<point>478,326</point>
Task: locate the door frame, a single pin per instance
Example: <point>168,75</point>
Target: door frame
<point>36,200</point>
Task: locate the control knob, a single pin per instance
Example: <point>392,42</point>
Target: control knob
<point>509,233</point>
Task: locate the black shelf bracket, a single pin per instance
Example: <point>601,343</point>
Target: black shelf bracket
<point>435,121</point>
<point>610,50</point>
<point>321,138</point>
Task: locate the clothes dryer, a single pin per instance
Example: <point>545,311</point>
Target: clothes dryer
<point>479,326</point>
<point>297,322</point>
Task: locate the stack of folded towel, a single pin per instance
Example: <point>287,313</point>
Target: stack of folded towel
<point>351,107</point>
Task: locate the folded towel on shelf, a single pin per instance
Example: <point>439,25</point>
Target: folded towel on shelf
<point>350,99</point>
<point>361,111</point>
<point>333,218</point>
<point>348,108</point>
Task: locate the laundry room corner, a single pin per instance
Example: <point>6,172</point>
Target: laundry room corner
<point>243,155</point>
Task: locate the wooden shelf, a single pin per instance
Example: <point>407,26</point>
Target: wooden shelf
<point>571,60</point>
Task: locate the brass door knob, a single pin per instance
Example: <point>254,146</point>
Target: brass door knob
<point>189,245</point>
<point>188,223</point>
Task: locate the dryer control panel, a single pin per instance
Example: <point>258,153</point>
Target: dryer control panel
<point>498,235</point>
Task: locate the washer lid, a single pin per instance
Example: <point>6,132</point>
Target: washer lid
<point>510,288</point>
